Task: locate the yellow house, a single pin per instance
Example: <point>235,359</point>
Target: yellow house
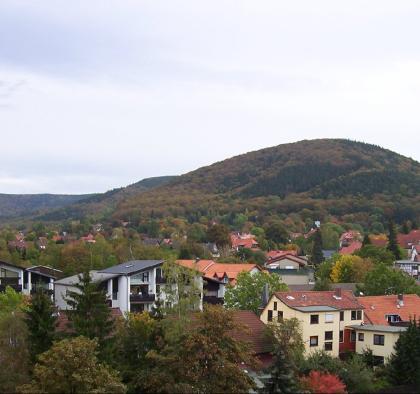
<point>324,316</point>
<point>379,339</point>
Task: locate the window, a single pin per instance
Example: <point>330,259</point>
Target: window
<point>353,336</point>
<point>356,315</point>
<point>341,315</point>
<point>275,305</point>
<point>329,318</point>
<point>379,340</point>
<point>270,316</point>
<point>361,336</point>
<point>393,318</point>
<point>314,319</point>
<point>279,315</point>
<point>145,277</point>
<point>313,341</point>
<point>328,346</point>
<point>328,335</point>
<point>341,336</point>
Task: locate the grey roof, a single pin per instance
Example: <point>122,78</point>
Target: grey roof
<point>97,277</point>
<point>313,308</point>
<point>131,267</point>
<point>377,327</point>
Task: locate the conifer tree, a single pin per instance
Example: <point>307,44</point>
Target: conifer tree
<point>404,366</point>
<point>317,255</point>
<point>282,376</point>
<point>366,240</point>
<point>392,241</point>
<point>89,315</point>
<point>41,322</point>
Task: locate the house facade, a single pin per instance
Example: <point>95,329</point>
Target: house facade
<point>324,317</point>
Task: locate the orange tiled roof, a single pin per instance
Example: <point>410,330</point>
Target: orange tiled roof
<point>406,240</point>
<point>275,254</point>
<point>212,269</point>
<point>319,298</point>
<point>376,307</point>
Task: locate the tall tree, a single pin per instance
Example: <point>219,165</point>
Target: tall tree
<point>203,357</point>
<point>317,256</point>
<point>41,321</point>
<point>219,234</point>
<point>89,315</point>
<point>404,366</point>
<point>392,241</point>
<point>247,294</point>
<point>366,240</point>
<point>71,366</point>
<point>283,378</point>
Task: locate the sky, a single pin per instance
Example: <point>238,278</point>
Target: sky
<point>100,94</point>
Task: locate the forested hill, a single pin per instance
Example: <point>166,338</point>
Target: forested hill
<point>51,206</point>
<point>98,205</point>
<point>14,205</point>
<point>325,176</point>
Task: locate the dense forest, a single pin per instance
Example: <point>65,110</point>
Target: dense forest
<point>327,179</point>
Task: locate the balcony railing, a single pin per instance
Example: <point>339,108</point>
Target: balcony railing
<point>142,297</point>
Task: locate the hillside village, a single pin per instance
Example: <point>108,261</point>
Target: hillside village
<point>357,299</point>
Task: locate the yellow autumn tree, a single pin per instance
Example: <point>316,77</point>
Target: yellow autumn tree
<point>350,269</point>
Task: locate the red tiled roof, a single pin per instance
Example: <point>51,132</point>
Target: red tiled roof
<point>300,260</point>
<point>376,307</point>
<point>380,242</point>
<point>243,240</point>
<point>350,235</point>
<point>253,332</point>
<point>274,254</point>
<point>319,298</point>
<point>407,240</point>
<point>353,247</point>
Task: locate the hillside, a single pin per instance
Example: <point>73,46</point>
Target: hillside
<point>102,203</point>
<point>326,176</point>
<point>15,205</point>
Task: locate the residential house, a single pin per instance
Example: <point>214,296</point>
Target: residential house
<point>243,241</point>
<point>385,318</point>
<point>224,272</point>
<point>409,267</point>
<point>42,243</point>
<point>273,255</point>
<point>349,237</point>
<point>27,280</point>
<point>350,248</point>
<point>324,317</point>
<point>406,241</point>
<point>294,270</point>
<point>414,253</point>
<point>90,239</point>
<point>151,241</point>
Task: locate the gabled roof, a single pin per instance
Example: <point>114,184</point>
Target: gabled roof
<point>376,307</point>
<point>407,240</point>
<point>132,267</point>
<point>11,265</point>
<point>297,259</point>
<point>299,299</point>
<point>353,247</point>
<point>211,269</point>
<point>46,271</point>
<point>97,277</point>
<point>254,331</point>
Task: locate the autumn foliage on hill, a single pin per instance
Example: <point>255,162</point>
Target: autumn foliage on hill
<point>325,383</point>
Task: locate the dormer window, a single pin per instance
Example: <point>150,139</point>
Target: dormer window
<point>393,318</point>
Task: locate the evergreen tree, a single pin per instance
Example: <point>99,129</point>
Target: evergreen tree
<point>41,322</point>
<point>282,376</point>
<point>404,366</point>
<point>392,241</point>
<point>366,240</point>
<point>90,315</point>
<point>317,256</point>
<point>405,228</point>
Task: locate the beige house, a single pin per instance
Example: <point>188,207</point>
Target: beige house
<point>324,316</point>
<point>379,339</point>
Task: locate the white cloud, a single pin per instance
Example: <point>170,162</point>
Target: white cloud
<point>107,95</point>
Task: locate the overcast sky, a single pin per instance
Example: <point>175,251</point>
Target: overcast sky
<point>100,94</point>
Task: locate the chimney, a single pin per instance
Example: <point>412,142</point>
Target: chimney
<point>337,292</point>
<point>400,300</point>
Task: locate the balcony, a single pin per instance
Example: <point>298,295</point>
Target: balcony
<point>142,297</point>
